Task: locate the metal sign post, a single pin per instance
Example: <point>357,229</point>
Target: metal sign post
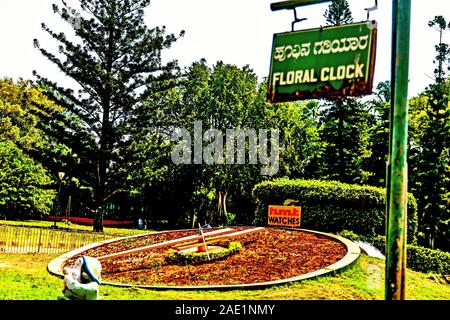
<point>294,4</point>
<point>204,242</point>
<point>397,169</point>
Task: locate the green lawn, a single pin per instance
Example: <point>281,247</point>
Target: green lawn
<point>72,226</point>
<point>24,277</point>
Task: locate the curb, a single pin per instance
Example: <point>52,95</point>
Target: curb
<point>55,266</point>
<point>353,251</point>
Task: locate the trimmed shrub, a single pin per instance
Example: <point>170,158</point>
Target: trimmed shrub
<point>379,242</point>
<point>331,206</point>
<point>195,258</point>
<point>350,236</point>
<point>418,258</point>
<point>427,260</point>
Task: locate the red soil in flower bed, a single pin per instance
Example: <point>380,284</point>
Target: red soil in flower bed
<point>269,255</point>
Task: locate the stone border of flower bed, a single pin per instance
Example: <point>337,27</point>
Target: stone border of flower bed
<point>55,267</point>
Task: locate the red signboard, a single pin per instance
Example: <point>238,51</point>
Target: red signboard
<point>284,216</point>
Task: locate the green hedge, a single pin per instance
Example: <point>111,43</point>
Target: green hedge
<point>332,206</point>
<point>428,260</point>
<point>418,258</point>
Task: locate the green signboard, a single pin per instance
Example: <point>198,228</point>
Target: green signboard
<point>331,63</point>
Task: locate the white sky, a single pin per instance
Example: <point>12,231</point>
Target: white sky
<point>234,31</point>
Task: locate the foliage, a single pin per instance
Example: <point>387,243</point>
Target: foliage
<point>430,151</point>
<point>230,218</point>
<point>430,163</point>
<point>418,258</point>
<point>301,144</point>
<point>224,97</point>
<point>235,246</point>
<point>118,56</point>
<point>193,258</point>
<point>350,235</point>
<point>29,157</point>
<point>345,130</point>
<point>220,98</point>
<point>24,184</point>
<point>345,125</point>
<point>379,242</point>
<point>442,49</point>
<point>333,206</point>
<point>338,13</point>
<point>22,107</point>
<point>378,135</point>
<point>427,260</point>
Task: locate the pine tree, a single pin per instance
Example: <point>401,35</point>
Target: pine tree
<point>114,58</point>
<point>430,150</point>
<point>345,131</point>
<point>442,49</point>
<point>379,114</point>
<point>338,13</point>
<point>345,123</point>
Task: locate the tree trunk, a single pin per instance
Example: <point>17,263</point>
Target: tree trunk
<point>104,158</point>
<point>221,200</point>
<point>341,145</point>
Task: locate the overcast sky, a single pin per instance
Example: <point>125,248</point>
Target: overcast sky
<point>234,31</point>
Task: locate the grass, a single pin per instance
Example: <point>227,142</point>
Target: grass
<point>24,277</point>
<point>71,226</point>
<point>39,236</point>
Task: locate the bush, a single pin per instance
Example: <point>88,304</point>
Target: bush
<point>350,235</point>
<point>235,247</point>
<point>379,242</point>
<point>194,258</point>
<point>418,258</point>
<point>332,206</point>
<point>230,218</point>
<point>427,260</point>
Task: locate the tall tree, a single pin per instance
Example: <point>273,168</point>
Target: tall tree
<point>344,123</point>
<point>300,143</point>
<point>379,119</point>
<point>113,60</point>
<point>338,13</point>
<point>222,97</point>
<point>226,97</point>
<point>28,157</point>
<point>430,163</point>
<point>345,130</point>
<point>442,49</point>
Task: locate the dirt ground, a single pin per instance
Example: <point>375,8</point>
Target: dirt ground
<point>268,255</point>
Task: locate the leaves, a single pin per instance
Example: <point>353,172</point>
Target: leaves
<point>26,151</point>
<point>430,158</point>
<point>23,183</point>
<point>115,56</point>
<point>332,206</point>
<point>338,13</point>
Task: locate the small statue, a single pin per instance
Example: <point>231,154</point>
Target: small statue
<point>82,279</point>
